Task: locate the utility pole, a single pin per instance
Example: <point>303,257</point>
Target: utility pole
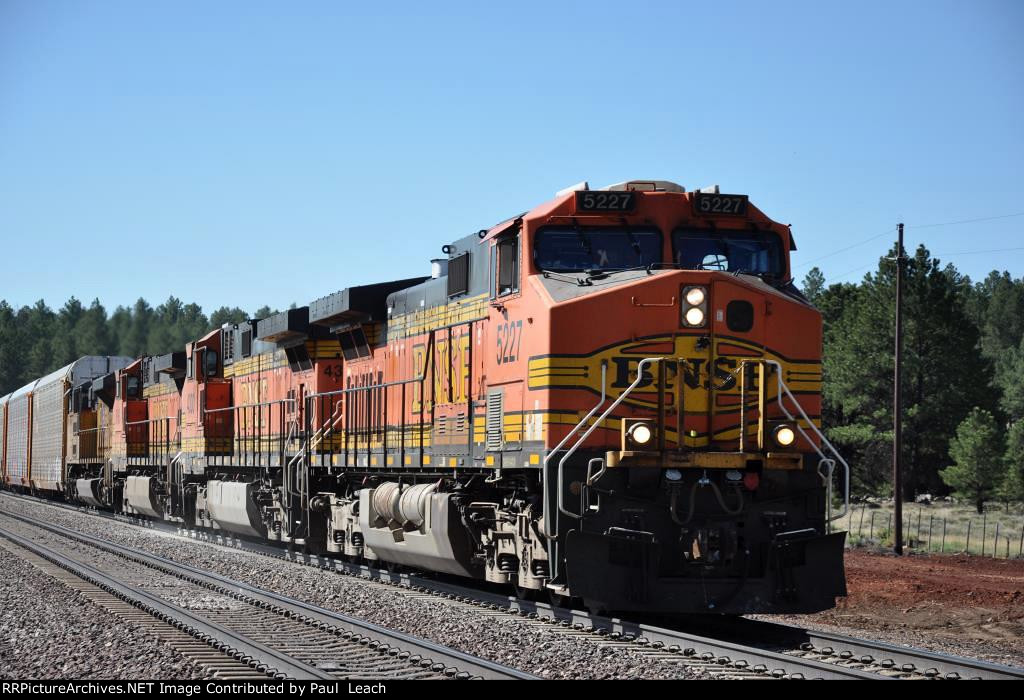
<point>897,404</point>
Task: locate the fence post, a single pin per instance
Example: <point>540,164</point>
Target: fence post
<point>888,524</point>
<point>1020,549</point>
<point>871,530</point>
<point>943,535</point>
<point>967,547</point>
<point>860,527</point>
<point>984,527</point>
<point>919,524</point>
<point>931,521</point>
<point>995,542</point>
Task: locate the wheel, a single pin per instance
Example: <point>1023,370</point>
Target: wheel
<point>558,600</point>
<point>528,594</point>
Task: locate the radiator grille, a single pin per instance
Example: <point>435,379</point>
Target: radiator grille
<point>495,419</point>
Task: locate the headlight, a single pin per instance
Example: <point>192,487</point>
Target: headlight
<point>784,435</point>
<point>695,317</point>
<point>640,433</point>
<point>695,309</point>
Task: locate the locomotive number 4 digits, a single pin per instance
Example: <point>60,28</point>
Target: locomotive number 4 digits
<point>510,338</point>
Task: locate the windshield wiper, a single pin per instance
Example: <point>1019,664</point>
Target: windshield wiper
<point>601,273</point>
<point>565,277</point>
<point>632,239</point>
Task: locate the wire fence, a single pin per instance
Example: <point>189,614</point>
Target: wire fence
<point>926,529</point>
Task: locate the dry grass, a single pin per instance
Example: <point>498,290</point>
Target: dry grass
<point>939,527</point>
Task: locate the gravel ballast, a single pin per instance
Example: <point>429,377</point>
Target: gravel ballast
<point>49,631</point>
<point>528,645</point>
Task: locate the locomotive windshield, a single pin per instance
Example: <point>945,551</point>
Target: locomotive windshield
<point>749,252</point>
<point>572,249</point>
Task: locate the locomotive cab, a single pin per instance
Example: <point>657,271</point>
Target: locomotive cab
<point>683,465</point>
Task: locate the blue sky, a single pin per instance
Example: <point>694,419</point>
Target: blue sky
<point>249,153</point>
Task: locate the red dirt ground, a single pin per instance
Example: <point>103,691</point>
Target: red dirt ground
<point>960,603</point>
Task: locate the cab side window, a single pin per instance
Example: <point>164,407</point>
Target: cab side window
<point>508,264</point>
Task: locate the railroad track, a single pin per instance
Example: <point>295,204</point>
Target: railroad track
<point>725,649</point>
<point>274,635</point>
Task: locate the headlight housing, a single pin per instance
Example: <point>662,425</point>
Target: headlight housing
<point>784,435</point>
<point>695,307</point>
<point>638,434</point>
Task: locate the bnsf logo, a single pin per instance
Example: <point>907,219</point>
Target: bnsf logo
<point>695,373</point>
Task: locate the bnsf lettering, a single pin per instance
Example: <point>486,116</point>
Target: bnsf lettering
<point>693,371</point>
<point>450,370</point>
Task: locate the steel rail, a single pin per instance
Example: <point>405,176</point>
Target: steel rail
<point>844,649</point>
<point>292,607</point>
<point>279,664</point>
<point>909,659</point>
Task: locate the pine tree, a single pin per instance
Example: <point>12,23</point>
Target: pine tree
<point>10,350</point>
<point>1011,489</point>
<point>944,374</point>
<point>119,324</point>
<point>64,342</point>
<point>92,332</point>
<point>39,323</point>
<point>1011,382</point>
<point>227,315</point>
<point>977,454</point>
<point>813,285</point>
<point>136,339</point>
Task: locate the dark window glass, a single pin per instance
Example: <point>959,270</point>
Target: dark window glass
<point>739,316</point>
<point>246,343</point>
<point>353,343</point>
<point>298,358</point>
<point>749,252</point>
<point>210,365</point>
<point>607,248</point>
<point>508,265</point>
<point>458,275</point>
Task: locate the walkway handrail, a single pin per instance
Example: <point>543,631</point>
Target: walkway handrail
<point>549,455</point>
<point>825,460</point>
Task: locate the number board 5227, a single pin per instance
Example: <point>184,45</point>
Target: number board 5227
<point>706,203</point>
<point>605,201</point>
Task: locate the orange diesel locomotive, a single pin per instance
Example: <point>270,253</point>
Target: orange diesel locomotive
<point>613,398</point>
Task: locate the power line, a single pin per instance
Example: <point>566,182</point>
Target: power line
<point>976,252</point>
<point>890,230</point>
<point>847,274</point>
<point>839,278</point>
<point>968,221</point>
<point>850,247</point>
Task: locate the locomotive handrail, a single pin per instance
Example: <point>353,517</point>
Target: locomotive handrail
<point>161,441</point>
<point>560,499</point>
<point>572,450</point>
<point>247,405</point>
<point>549,455</point>
<point>147,420</point>
<point>825,461</point>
